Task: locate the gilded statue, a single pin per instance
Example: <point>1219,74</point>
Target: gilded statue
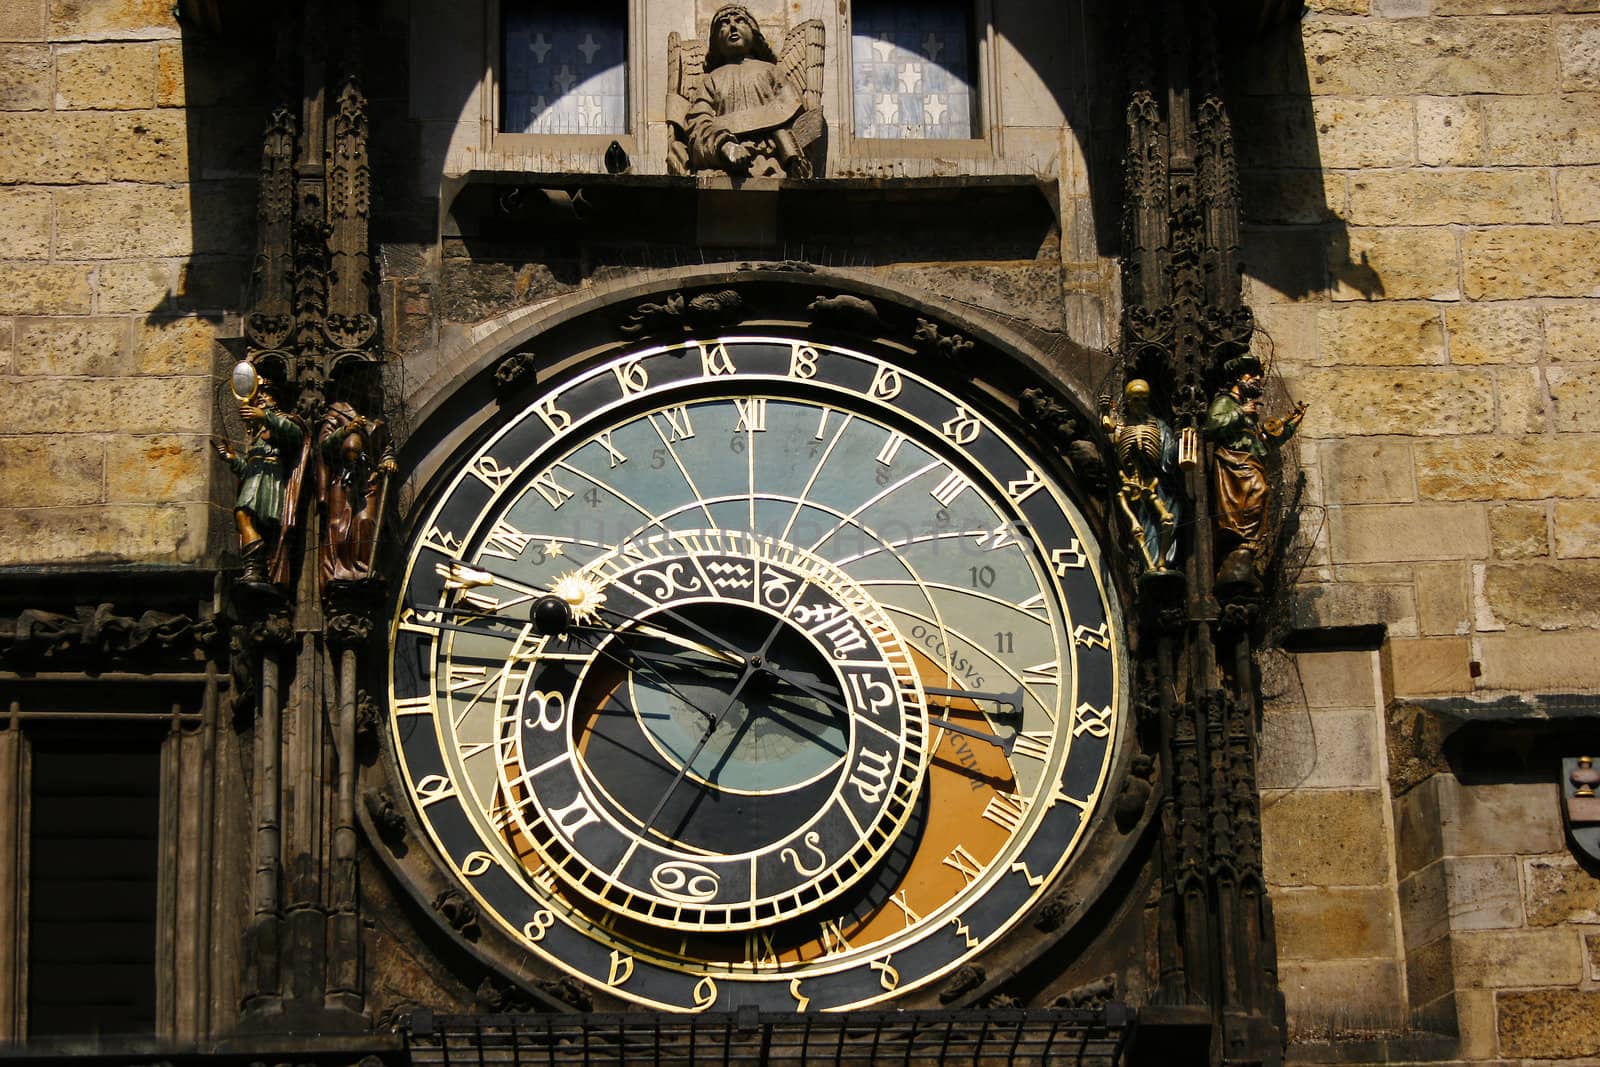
<point>354,462</point>
<point>270,472</point>
<point>733,106</point>
<point>1147,464</point>
<point>1243,440</point>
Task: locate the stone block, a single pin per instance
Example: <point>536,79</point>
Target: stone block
<point>169,76</point>
<point>1499,959</point>
<point>211,283</point>
<point>105,76</point>
<point>1507,468</point>
<point>152,146</point>
<point>1429,666</point>
<point>1578,194</point>
<point>1449,131</point>
<point>1577,528</point>
<point>54,148</point>
<point>1341,995</point>
<point>1419,838</point>
<point>122,222</point>
<point>1475,1012</point>
<point>175,346</point>
<point>22,20</point>
<point>84,20</point>
<point>1367,471</point>
<point>1285,266</point>
<point>1572,332</point>
<point>1556,595</point>
<point>1543,663</point>
<point>1514,262</point>
<point>1443,606</point>
<point>1519,531</point>
<point>1334,133</point>
<point>1293,196</point>
<point>1499,818</point>
<point>1424,906</point>
<point>40,472</point>
<point>1430,979</point>
<point>1493,333</point>
<point>1324,924</point>
<point>53,289</point>
<point>1591,954</point>
<point>1386,334</point>
<point>1483,892</point>
<point>1450,197</point>
<point>1340,7</point>
<point>1345,604</point>
<point>1548,1023</point>
<point>73,346</point>
<point>136,533</point>
<point>113,405</point>
<point>1398,263</point>
<point>157,469</point>
<point>1510,7</point>
<point>1578,45</point>
<point>1523,400</point>
<point>1455,57</point>
<point>1384,533</point>
<point>1024,290</point>
<point>1323,749</point>
<point>1382,401</point>
<point>24,77</point>
<point>1542,131</point>
<point>1324,837</point>
<point>7,348</point>
<point>1337,679</point>
<point>1559,891</point>
<point>26,233</point>
<point>137,286</point>
<point>1576,391</point>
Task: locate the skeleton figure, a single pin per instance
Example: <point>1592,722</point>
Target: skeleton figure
<point>1147,458</point>
<point>734,106</point>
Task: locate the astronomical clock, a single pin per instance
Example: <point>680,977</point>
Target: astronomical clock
<point>755,671</point>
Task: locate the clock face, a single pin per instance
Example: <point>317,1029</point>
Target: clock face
<point>754,672</point>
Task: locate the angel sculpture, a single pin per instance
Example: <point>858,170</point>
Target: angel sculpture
<point>736,108</point>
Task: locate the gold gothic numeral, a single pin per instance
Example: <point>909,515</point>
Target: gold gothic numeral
<point>715,361</point>
<point>434,788</point>
<point>800,999</point>
<point>1070,558</point>
<point>1034,880</point>
<point>631,377</point>
<point>705,993</point>
<point>962,427</point>
<point>803,362</point>
<point>1024,487</point>
<point>886,384</point>
<point>888,977</point>
<point>964,932</point>
<point>487,470</point>
<point>476,864</point>
<point>553,416</point>
<point>1098,637</point>
<point>621,968</point>
<point>1088,719</point>
<point>535,928</point>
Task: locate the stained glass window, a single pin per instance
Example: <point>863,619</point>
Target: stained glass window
<point>913,69</point>
<point>565,67</point>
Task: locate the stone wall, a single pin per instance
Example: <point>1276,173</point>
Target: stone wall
<point>123,232</point>
<point>1422,183</point>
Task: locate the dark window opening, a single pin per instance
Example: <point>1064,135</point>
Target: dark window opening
<point>564,68</point>
<point>914,69</point>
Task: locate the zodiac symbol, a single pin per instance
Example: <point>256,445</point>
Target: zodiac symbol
<point>811,840</point>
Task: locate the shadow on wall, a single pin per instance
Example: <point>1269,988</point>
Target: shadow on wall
<point>1296,243</point>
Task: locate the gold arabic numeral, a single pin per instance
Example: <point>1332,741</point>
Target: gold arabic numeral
<point>632,377</point>
<point>551,711</point>
<point>705,993</point>
<point>1088,719</point>
<point>899,900</point>
<point>1024,487</point>
<point>886,454</point>
<point>555,494</point>
<point>759,949</point>
<point>574,817</point>
<point>833,940</point>
<point>964,862</point>
<point>621,968</point>
<point>715,361</point>
<point>414,706</point>
<point>1096,637</point>
<point>800,999</point>
<point>946,491</point>
<point>886,383</point>
<point>534,929</point>
<point>434,788</point>
<point>678,425</point>
<point>421,622</point>
<point>1034,745</point>
<point>614,455</point>
<point>442,541</point>
<point>1061,794</point>
<point>463,676</point>
<point>803,362</point>
<point>752,414</point>
<point>962,427</point>
<point>1034,880</point>
<point>476,864</point>
<point>871,775</point>
<point>1070,558</point>
<point>487,470</point>
<point>505,541</point>
<point>888,977</point>
<point>556,419</point>
<point>964,932</point>
<point>1006,810</point>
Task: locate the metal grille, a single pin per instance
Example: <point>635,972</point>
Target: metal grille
<point>999,1038</point>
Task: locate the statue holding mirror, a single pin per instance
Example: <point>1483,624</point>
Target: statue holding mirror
<point>270,469</point>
